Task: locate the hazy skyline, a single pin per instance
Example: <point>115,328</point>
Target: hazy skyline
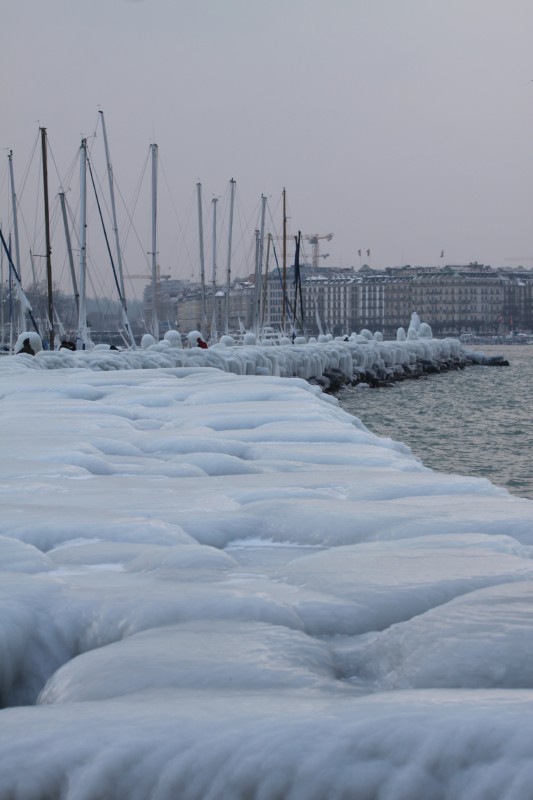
<point>400,126</point>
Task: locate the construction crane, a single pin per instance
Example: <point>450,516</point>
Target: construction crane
<point>313,239</point>
<point>148,277</point>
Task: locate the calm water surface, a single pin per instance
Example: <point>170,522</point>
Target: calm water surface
<point>477,421</point>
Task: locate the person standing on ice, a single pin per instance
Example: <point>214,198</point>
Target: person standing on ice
<point>200,342</point>
<point>26,348</point>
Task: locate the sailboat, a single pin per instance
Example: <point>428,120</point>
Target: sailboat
<point>83,340</point>
<point>15,277</point>
<point>16,291</point>
<point>228,267</point>
<point>118,251</point>
<point>14,271</point>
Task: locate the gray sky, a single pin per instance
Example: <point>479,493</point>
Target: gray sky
<point>401,126</point>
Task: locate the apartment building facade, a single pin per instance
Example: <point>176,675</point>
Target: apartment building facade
<point>452,299</point>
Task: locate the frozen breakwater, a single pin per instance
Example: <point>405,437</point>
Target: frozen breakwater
<point>329,363</point>
<point>222,586</point>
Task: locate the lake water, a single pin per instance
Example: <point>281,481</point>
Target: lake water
<point>477,421</point>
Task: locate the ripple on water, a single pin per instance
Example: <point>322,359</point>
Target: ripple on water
<point>476,421</point>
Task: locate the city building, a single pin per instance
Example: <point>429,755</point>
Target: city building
<point>453,299</point>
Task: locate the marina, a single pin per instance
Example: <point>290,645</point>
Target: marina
<point>266,368</point>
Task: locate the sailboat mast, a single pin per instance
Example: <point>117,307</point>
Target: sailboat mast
<point>82,307</point>
<point>117,240</point>
<point>13,274</point>
<point>298,286</point>
<point>113,206</point>
<point>155,322</point>
<point>203,315</point>
<point>47,237</point>
<point>265,281</point>
<point>69,251</point>
<point>228,271</point>
<point>22,315</point>
<point>256,282</point>
<point>10,295</point>
<point>214,275</point>
<point>2,294</point>
<point>284,276</point>
<point>33,274</point>
<point>261,254</point>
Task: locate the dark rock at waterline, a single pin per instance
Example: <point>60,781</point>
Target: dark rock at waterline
<point>429,366</point>
<point>487,361</point>
<point>337,379</point>
<point>314,381</point>
<point>333,380</point>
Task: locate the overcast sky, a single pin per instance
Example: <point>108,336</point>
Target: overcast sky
<point>400,126</point>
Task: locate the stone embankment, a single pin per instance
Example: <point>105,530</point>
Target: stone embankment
<point>382,373</point>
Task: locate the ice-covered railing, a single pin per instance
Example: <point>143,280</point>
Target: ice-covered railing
<point>348,356</point>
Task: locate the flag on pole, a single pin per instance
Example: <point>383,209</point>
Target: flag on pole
<point>442,253</point>
<point>368,253</point>
<point>359,253</point>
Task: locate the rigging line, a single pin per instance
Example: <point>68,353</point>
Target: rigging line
<point>102,193</point>
<point>244,232</point>
<point>249,256</point>
<point>194,263</point>
<point>22,185</point>
<point>221,222</point>
<point>277,207</point>
<point>287,302</point>
<point>298,280</point>
<point>95,127</point>
<point>74,232</point>
<point>19,211</point>
<point>33,239</point>
<point>223,208</point>
<point>274,227</point>
<point>166,182</point>
<point>92,139</point>
<point>288,217</point>
<point>13,268</point>
<point>105,232</point>
<point>70,172</point>
<point>55,219</point>
<point>53,160</point>
<point>239,242</point>
<point>91,283</point>
<point>190,260</point>
<point>3,174</point>
<point>131,226</point>
<point>129,214</point>
<point>254,215</point>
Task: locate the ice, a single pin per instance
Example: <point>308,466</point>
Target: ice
<point>218,584</point>
<point>477,640</point>
<point>276,658</point>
